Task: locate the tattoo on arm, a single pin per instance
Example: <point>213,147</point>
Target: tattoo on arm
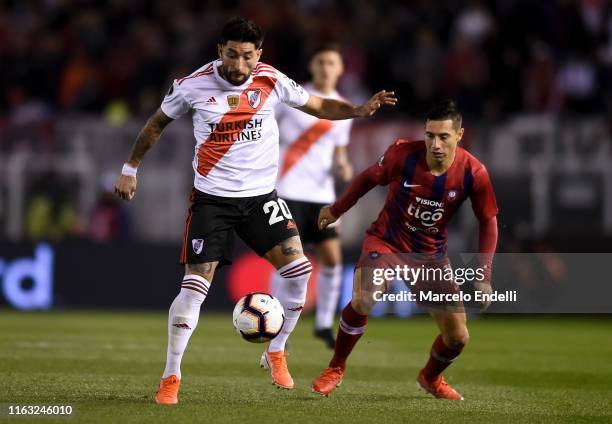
<point>288,248</point>
<point>148,136</point>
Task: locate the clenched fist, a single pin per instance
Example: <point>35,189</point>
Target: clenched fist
<point>325,217</point>
<point>125,187</point>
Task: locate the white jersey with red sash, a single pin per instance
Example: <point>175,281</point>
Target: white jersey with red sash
<point>236,151</point>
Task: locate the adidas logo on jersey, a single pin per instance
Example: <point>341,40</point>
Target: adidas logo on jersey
<point>211,101</point>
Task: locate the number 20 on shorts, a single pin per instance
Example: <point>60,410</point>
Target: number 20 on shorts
<point>273,207</point>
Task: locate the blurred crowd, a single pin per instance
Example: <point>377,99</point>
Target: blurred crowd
<point>497,57</point>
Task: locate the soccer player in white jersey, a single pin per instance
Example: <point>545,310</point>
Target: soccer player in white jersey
<point>312,151</point>
<point>231,101</point>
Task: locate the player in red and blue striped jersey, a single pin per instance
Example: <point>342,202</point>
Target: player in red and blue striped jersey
<point>428,181</point>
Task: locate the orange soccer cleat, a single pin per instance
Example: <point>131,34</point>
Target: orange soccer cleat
<point>276,362</point>
<point>328,380</point>
<point>439,388</point>
<point>167,394</point>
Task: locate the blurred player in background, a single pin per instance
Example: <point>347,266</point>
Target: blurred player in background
<point>428,181</point>
<point>231,101</point>
<point>312,151</point>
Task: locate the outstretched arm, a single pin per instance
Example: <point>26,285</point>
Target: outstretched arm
<point>125,187</point>
<point>338,109</point>
<point>363,183</point>
<point>382,172</point>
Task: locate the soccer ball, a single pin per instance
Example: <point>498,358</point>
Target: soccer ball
<point>258,317</point>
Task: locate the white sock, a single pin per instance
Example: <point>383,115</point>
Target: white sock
<point>183,319</point>
<point>328,291</point>
<point>275,283</point>
<point>290,289</point>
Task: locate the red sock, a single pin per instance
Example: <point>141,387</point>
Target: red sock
<point>351,328</point>
<point>440,357</point>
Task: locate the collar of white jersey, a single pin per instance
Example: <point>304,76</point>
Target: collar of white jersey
<point>226,84</point>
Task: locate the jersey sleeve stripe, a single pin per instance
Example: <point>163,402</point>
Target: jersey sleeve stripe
<point>210,153</point>
<point>206,71</point>
<point>298,149</point>
<point>257,68</point>
<point>263,67</point>
<point>263,71</point>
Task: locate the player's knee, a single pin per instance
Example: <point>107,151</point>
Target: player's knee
<point>205,270</point>
<point>362,306</point>
<point>457,339</point>
<point>292,247</point>
<point>285,252</point>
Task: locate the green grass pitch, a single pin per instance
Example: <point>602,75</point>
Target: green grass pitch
<point>107,364</point>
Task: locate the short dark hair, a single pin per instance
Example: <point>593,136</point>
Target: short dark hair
<point>443,110</point>
<point>243,31</point>
<point>328,46</point>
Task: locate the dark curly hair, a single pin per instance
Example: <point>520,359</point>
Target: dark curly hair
<point>241,30</point>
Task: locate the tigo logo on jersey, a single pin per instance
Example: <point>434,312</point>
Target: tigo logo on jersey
<point>197,245</point>
<point>233,100</point>
<point>428,217</point>
<point>254,97</point>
